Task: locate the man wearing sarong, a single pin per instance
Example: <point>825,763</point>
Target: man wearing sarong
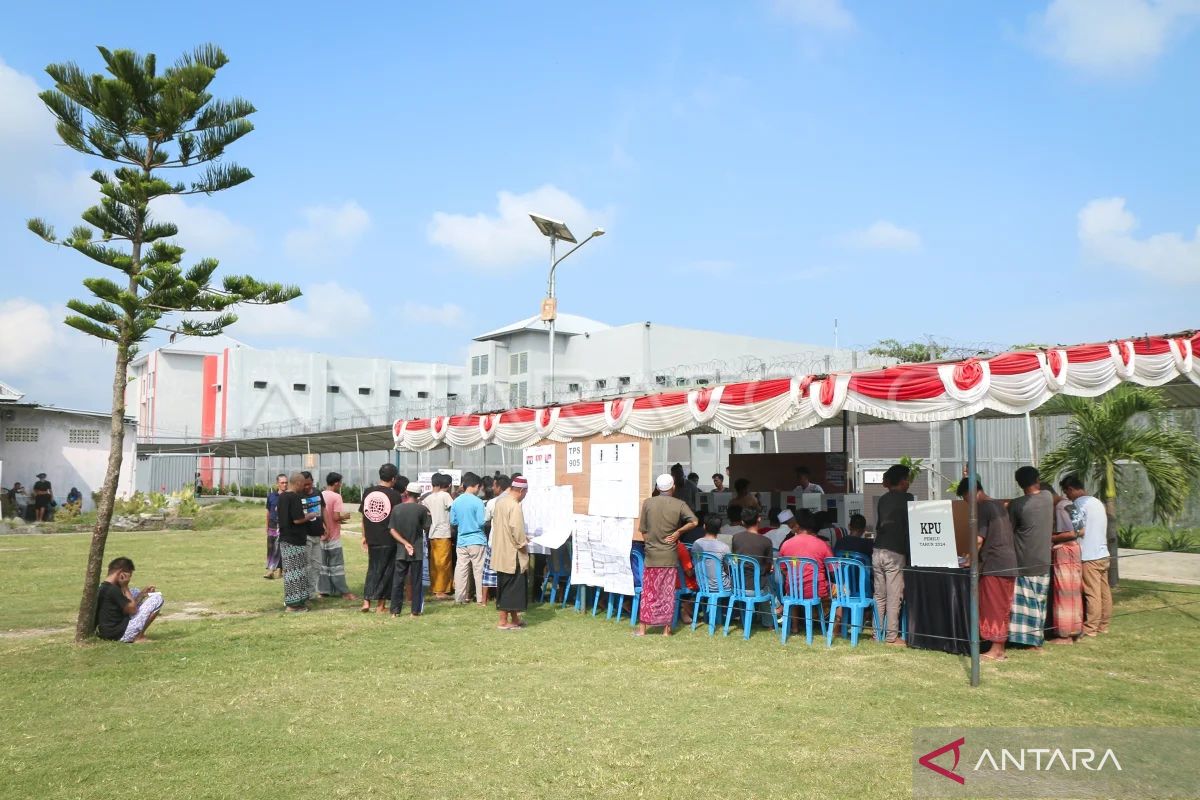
<point>1032,517</point>
<point>332,580</point>
<point>314,506</point>
<point>376,509</point>
<point>441,543</point>
<point>664,519</point>
<point>510,556</point>
<point>1066,572</point>
<point>293,544</point>
<point>997,570</point>
<point>274,568</point>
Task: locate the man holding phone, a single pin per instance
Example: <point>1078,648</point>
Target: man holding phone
<point>293,544</point>
<point>124,614</point>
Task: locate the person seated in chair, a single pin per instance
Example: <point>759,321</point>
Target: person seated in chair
<point>123,614</point>
<point>856,543</point>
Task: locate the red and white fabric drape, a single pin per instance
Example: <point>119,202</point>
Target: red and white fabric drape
<point>1011,383</point>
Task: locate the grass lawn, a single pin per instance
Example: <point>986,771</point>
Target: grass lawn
<point>249,703</point>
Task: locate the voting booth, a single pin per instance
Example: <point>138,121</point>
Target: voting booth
<point>937,582</point>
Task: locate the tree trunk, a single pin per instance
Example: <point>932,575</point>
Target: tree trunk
<point>85,623</point>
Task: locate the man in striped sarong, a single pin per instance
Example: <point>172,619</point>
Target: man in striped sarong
<point>1032,517</point>
<point>1066,577</point>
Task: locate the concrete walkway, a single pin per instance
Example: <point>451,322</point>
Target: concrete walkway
<point>1152,565</point>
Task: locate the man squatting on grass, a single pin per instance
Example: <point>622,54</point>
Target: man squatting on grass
<point>124,614</point>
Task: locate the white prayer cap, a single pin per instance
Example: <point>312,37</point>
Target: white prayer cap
<point>785,515</point>
<point>664,482</point>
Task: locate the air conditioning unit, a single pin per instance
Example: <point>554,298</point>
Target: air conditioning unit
<point>8,415</point>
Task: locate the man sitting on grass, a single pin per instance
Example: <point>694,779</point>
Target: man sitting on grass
<point>124,614</point>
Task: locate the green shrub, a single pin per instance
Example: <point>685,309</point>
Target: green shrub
<point>1178,542</point>
<point>1129,537</point>
<point>352,494</point>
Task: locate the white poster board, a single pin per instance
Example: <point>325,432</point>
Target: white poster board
<point>600,553</point>
<point>614,481</point>
<point>425,478</point>
<point>575,458</point>
<point>549,515</point>
<point>538,466</point>
<point>931,534</point>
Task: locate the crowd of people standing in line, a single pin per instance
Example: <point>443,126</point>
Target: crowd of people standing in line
<point>1041,555</point>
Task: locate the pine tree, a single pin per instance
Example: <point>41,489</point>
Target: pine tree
<point>147,124</point>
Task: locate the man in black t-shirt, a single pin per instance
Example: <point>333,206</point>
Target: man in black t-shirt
<point>409,525</point>
<point>890,556</point>
<point>314,503</point>
<point>124,614</point>
<point>376,509</point>
<point>43,498</point>
<point>293,541</point>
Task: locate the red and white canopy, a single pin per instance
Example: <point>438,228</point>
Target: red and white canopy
<point>1011,383</point>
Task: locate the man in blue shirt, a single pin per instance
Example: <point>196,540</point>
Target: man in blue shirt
<point>466,519</point>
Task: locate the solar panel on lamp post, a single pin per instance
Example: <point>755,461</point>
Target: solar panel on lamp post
<point>556,230</point>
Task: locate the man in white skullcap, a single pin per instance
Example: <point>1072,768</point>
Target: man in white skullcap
<point>786,530</point>
<point>664,519</point>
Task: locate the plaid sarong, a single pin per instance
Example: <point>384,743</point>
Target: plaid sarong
<point>489,575</point>
<point>1028,621</point>
<point>1067,578</point>
<point>295,573</point>
<point>332,578</point>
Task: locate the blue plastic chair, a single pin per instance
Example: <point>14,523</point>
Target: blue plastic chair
<point>616,601</point>
<point>681,591</point>
<point>749,589</point>
<point>794,590</point>
<point>558,570</point>
<point>711,590</point>
<point>851,589</point>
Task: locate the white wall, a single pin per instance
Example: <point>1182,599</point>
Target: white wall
<point>65,464</point>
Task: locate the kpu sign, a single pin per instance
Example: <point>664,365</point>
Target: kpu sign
<point>931,534</point>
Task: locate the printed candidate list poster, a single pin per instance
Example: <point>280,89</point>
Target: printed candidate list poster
<point>614,480</point>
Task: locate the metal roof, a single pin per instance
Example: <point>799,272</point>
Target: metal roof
<point>566,325</point>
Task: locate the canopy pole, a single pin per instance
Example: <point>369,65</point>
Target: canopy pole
<point>848,481</point>
<point>362,464</point>
<point>267,475</point>
<point>973,514</point>
<point>1033,455</point>
<point>238,474</point>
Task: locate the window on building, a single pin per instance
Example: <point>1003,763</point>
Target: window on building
<point>702,381</point>
<point>661,380</point>
<point>681,381</point>
<point>83,436</point>
<point>518,394</point>
<point>395,393</point>
<point>422,395</point>
<point>518,363</point>
<point>21,434</point>
<point>335,389</point>
<point>572,387</point>
<point>601,384</point>
<point>479,365</point>
<point>364,390</point>
<point>260,384</point>
<point>299,387</point>
<point>478,393</point>
<point>623,380</point>
<point>451,395</point>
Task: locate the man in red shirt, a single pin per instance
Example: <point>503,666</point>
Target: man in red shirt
<point>806,544</point>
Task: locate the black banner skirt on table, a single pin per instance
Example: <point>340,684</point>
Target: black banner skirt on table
<point>939,608</point>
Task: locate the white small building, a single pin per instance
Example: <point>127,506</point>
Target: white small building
<point>70,446</point>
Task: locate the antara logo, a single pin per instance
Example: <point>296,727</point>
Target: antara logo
<point>1037,759</point>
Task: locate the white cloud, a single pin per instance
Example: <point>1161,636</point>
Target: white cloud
<point>447,314</point>
<point>27,137</point>
<point>884,235</point>
<point>1110,37</point>
<point>1106,234</point>
<point>204,232</point>
<point>823,15</point>
<point>50,362</point>
<point>509,237</point>
<point>328,233</point>
<point>325,311</point>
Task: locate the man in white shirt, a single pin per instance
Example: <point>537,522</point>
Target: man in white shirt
<point>804,484</point>
<point>441,547</point>
<point>1093,545</point>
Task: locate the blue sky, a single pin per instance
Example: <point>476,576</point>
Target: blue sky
<point>1000,173</point>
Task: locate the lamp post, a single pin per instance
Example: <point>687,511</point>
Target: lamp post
<point>555,231</point>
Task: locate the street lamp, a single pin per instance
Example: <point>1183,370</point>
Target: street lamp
<point>556,230</point>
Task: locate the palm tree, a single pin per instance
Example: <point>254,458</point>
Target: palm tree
<point>1126,425</point>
